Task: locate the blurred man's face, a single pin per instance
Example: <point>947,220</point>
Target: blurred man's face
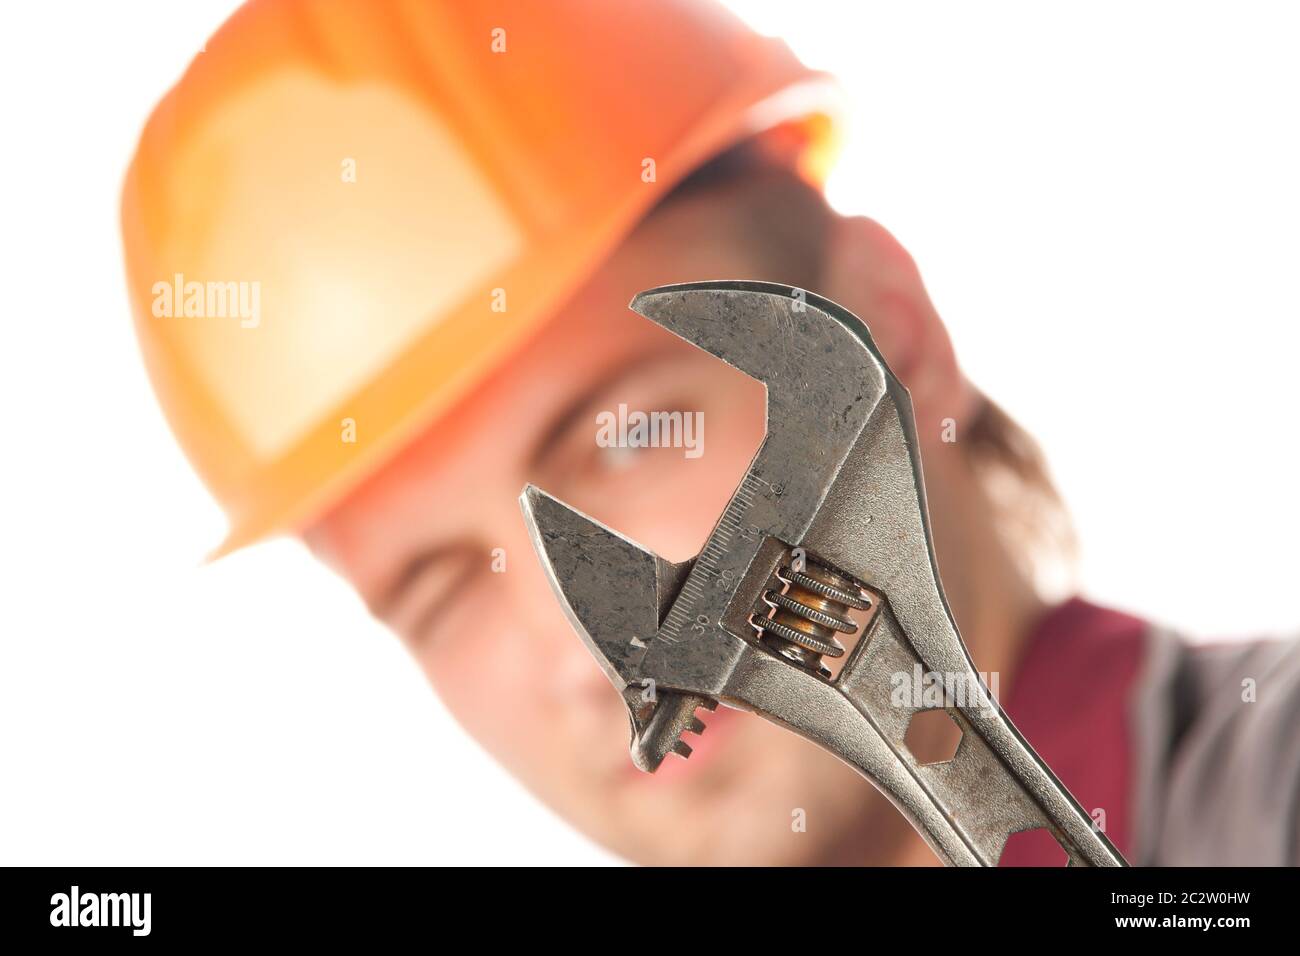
<point>420,542</point>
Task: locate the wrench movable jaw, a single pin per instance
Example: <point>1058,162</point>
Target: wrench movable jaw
<point>615,593</point>
<point>607,584</point>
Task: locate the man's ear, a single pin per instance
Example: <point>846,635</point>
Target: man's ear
<point>868,272</point>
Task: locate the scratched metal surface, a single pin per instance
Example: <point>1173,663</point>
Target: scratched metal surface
<point>838,474</point>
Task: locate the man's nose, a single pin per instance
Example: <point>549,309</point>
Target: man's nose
<point>576,676</point>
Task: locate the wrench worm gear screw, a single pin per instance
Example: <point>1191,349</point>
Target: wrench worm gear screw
<point>806,616</point>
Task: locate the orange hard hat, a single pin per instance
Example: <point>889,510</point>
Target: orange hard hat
<point>346,213</point>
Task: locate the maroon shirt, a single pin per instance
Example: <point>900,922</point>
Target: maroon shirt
<point>1191,751</point>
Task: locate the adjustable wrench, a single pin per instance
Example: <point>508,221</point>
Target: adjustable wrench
<point>828,533</point>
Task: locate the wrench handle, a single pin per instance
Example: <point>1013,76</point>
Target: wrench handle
<point>993,786</point>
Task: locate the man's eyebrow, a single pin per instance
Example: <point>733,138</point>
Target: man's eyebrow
<point>572,412</point>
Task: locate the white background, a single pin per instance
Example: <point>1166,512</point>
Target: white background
<point>1103,198</point>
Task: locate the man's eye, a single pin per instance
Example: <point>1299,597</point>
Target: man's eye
<point>619,457</point>
<point>430,589</point>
